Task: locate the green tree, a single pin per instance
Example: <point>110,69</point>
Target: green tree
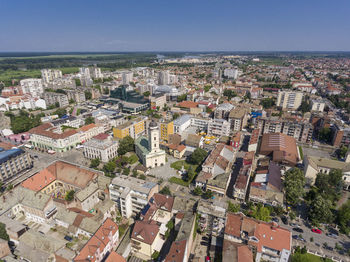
<point>208,194</point>
<point>3,232</point>
<point>77,82</point>
<point>233,207</point>
<point>304,107</point>
<point>207,88</point>
<point>198,156</point>
<point>343,218</point>
<point>229,94</point>
<point>155,255</point>
<point>325,135</point>
<point>126,171</point>
<point>127,144</point>
<point>95,163</point>
<point>69,195</point>
<point>294,185</point>
<point>23,121</point>
<point>267,103</point>
<point>342,151</point>
<point>60,112</point>
<point>110,167</point>
<point>330,185</point>
<point>147,93</point>
<point>165,191</point>
<point>261,213</point>
<point>197,191</point>
<point>320,211</point>
<point>105,91</point>
<point>181,98</point>
<point>89,120</point>
<point>88,95</point>
<point>176,115</point>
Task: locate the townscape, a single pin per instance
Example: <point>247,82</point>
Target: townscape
<point>208,157</point>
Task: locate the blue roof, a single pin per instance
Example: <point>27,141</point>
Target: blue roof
<point>6,155</point>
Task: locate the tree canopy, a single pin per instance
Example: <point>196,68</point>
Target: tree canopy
<point>198,156</point>
<point>89,120</point>
<point>229,94</point>
<point>24,121</point>
<point>127,144</point>
<point>320,211</point>
<point>69,195</point>
<point>3,232</point>
<point>294,185</point>
<point>343,218</point>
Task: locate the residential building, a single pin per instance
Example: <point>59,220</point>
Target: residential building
<point>317,105</point>
<point>180,249</point>
<point>235,252</point>
<point>131,194</point>
<point>269,241</point>
<point>145,239</point>
<point>340,135</point>
<point>32,86</point>
<point>52,98</point>
<point>84,71</point>
<point>242,181</point>
<point>223,110</point>
<point>100,245</point>
<point>159,209</point>
<point>181,123</point>
<point>127,77</point>
<point>301,130</point>
<point>238,118</point>
<point>147,149</point>
<point>218,127</point>
<point>289,100</point>
<point>163,78</point>
<point>216,169</point>
<point>280,147</point>
<point>194,141</point>
<point>76,95</point>
<point>134,128</point>
<point>267,186</point>
<point>231,73</point>
<point>158,101</point>
<point>13,162</point>
<point>49,137</point>
<point>253,142</point>
<point>49,75</point>
<point>102,147</point>
<point>96,72</point>
<point>177,150</point>
<point>314,165</point>
<point>166,129</point>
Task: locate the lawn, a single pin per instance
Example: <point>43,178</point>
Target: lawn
<point>308,258</point>
<point>178,166</point>
<point>301,152</point>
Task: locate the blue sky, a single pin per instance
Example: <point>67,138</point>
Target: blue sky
<point>178,25</point>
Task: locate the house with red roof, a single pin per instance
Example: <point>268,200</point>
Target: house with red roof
<point>100,244</point>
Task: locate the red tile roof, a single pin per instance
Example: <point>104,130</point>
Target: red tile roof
<point>98,241</point>
<point>177,251</point>
<point>115,257</point>
<point>145,231</point>
<point>188,104</point>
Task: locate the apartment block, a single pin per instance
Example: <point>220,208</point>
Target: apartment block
<point>289,100</point>
<point>52,98</point>
<point>238,118</point>
<point>134,128</point>
<point>12,162</point>
<point>219,127</point>
<point>49,75</point>
<point>131,194</point>
<point>32,86</point>
<point>166,129</point>
<point>317,105</point>
<point>101,147</point>
<point>77,96</point>
<point>301,130</point>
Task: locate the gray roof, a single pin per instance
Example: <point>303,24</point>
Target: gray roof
<point>186,226</point>
<point>142,144</point>
<point>83,194</point>
<point>182,119</point>
<point>133,183</point>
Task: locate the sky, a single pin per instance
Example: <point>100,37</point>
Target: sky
<point>178,25</point>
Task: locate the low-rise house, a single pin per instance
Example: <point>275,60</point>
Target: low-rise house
<point>267,186</point>
<point>314,165</point>
<point>236,140</point>
<point>253,142</point>
<point>242,181</point>
<point>177,151</point>
<point>101,243</point>
<point>269,241</point>
<point>234,252</point>
<point>131,194</point>
<point>194,140</point>
<point>159,208</point>
<point>102,147</point>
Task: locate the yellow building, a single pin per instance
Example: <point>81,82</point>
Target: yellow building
<point>134,128</point>
<point>166,129</point>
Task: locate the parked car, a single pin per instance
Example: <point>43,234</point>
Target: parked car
<point>332,235</point>
<point>316,230</point>
<point>294,225</point>
<point>207,259</point>
<point>68,238</point>
<point>284,220</point>
<point>298,229</point>
<point>275,219</point>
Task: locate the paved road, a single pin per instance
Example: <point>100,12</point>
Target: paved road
<point>319,240</point>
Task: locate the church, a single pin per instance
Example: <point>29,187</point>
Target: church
<point>148,150</point>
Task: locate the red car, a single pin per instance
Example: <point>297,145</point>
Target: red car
<point>316,230</point>
<point>207,259</point>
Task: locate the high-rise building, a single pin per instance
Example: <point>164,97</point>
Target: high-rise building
<point>32,86</point>
<point>166,129</point>
<point>231,73</point>
<point>289,99</point>
<point>96,72</point>
<point>49,75</point>
<point>127,77</point>
<point>163,77</point>
<point>84,71</point>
